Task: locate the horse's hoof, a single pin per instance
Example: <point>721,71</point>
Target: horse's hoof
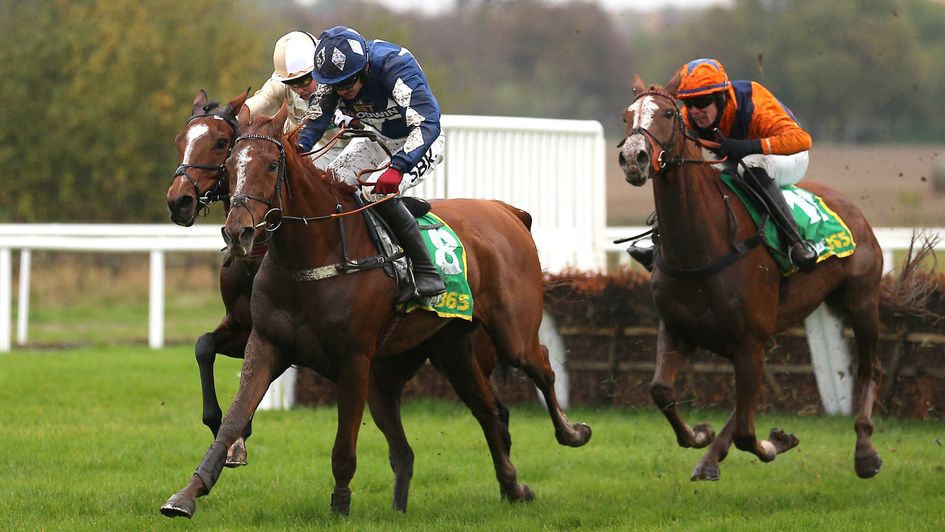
<point>179,506</point>
<point>521,493</point>
<point>578,436</point>
<point>783,441</point>
<point>702,435</point>
<point>869,464</point>
<point>705,472</point>
<point>341,501</point>
<point>236,455</point>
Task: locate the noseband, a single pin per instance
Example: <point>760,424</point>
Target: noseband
<point>217,192</point>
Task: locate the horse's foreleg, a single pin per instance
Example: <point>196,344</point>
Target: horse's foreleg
<point>387,385</point>
<point>670,357</point>
<point>228,340</point>
<point>708,467</point>
<point>865,323</point>
<point>352,391</point>
<point>258,373</point>
<point>749,374</point>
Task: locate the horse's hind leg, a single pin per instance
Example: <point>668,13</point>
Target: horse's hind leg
<point>388,377</point>
<point>670,357</point>
<point>454,357</point>
<point>864,319</point>
<point>526,352</point>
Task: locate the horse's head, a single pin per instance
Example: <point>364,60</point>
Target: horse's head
<point>257,166</point>
<point>202,146</point>
<point>654,132</point>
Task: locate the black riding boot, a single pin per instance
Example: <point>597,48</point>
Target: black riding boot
<point>405,227</point>
<point>643,255</point>
<point>800,252</point>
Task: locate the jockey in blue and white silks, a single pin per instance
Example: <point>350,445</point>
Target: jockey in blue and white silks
<point>382,85</point>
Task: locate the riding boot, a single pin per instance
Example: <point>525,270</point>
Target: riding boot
<point>643,255</point>
<point>800,251</point>
<point>407,231</point>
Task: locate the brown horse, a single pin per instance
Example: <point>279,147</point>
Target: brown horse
<point>714,291</point>
<point>346,328</point>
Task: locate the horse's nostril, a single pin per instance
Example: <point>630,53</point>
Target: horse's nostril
<point>643,158</point>
<point>185,202</point>
<point>246,235</point>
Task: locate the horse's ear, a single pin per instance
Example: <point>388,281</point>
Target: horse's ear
<point>673,84</point>
<point>200,100</point>
<point>236,104</point>
<point>638,86</point>
<point>279,119</point>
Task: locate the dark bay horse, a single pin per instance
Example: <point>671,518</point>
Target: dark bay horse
<point>732,302</point>
<point>203,146</point>
<point>345,326</point>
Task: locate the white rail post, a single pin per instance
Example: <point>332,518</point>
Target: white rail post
<point>156,301</point>
<point>23,301</point>
<point>6,299</point>
<point>830,359</point>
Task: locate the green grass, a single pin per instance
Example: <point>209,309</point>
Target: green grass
<point>98,438</point>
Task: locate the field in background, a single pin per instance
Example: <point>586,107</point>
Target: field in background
<point>892,185</point>
<point>98,438</point>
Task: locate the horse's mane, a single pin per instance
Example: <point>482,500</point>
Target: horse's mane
<point>264,125</point>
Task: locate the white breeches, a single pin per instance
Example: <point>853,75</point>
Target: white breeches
<point>361,154</point>
<point>784,169</point>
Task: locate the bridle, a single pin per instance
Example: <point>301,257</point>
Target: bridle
<point>667,158</point>
<point>218,191</point>
<point>661,163</point>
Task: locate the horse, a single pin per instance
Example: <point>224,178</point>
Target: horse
<point>346,327</point>
<point>714,289</point>
<point>203,146</point>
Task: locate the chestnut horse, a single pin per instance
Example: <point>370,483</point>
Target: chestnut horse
<point>345,326</point>
<point>731,298</point>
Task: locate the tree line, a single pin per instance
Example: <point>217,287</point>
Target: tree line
<point>95,91</point>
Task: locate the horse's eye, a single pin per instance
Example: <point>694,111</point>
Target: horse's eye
<point>221,143</point>
<point>669,113</point>
<point>273,166</point>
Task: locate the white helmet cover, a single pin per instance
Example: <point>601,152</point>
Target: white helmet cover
<point>293,56</point>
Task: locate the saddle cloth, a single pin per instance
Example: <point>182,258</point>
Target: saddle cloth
<point>449,256</point>
<point>816,221</point>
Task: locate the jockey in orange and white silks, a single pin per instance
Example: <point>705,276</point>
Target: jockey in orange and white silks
<point>755,127</point>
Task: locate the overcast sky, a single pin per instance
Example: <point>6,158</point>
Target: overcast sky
<point>642,5</point>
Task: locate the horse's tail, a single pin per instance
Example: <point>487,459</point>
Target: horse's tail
<point>518,213</point>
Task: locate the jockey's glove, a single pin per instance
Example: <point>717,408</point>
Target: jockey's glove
<point>737,148</point>
<point>389,182</point>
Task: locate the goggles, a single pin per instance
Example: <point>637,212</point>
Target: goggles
<point>700,102</point>
<point>299,82</point>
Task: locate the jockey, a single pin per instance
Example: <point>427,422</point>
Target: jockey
<point>291,83</point>
<point>380,84</point>
<point>753,127</point>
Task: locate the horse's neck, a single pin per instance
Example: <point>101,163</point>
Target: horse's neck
<point>690,211</point>
<point>316,243</point>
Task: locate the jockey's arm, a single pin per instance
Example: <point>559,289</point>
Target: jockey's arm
<point>774,125</point>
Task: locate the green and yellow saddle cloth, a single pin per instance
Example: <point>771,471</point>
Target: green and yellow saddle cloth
<point>449,256</point>
<point>816,222</point>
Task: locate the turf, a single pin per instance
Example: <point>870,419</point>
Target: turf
<point>98,438</point>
